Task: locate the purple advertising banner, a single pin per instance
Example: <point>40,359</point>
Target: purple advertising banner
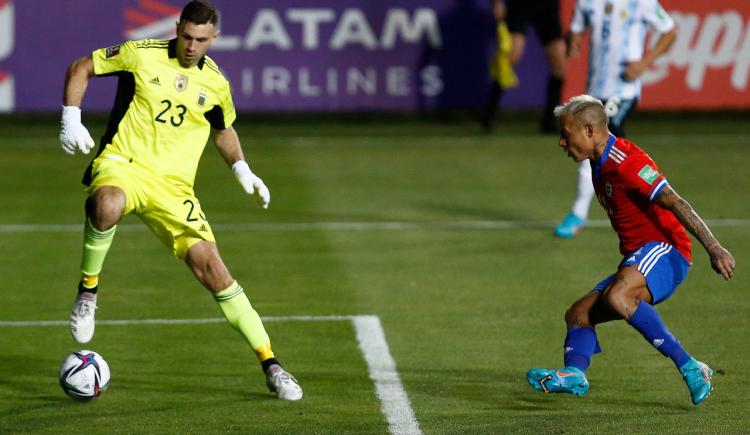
<point>282,55</point>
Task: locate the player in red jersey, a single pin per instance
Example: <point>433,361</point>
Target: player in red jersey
<point>650,219</point>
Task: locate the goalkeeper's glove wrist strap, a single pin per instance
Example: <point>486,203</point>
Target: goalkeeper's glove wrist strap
<point>241,169</point>
<point>71,114</point>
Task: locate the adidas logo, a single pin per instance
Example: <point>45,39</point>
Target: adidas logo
<point>568,349</point>
<point>658,342</point>
<point>203,228</point>
<point>155,81</point>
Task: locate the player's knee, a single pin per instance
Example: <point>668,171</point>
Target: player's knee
<point>619,299</point>
<point>576,316</point>
<point>105,207</point>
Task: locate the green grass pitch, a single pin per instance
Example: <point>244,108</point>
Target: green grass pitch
<point>442,232</point>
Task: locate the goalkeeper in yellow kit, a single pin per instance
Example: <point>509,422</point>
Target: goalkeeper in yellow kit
<point>170,98</point>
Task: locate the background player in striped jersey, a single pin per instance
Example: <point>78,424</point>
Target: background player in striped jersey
<point>617,58</point>
<point>650,219</point>
<point>170,98</point>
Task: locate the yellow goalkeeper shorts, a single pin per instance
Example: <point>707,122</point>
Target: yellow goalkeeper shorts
<point>169,208</point>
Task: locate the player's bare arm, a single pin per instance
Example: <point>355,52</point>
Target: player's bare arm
<point>77,80</point>
<point>635,69</point>
<point>73,135</point>
<point>721,259</point>
<point>228,144</point>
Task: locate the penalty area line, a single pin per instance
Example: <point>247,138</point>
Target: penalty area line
<point>394,402</point>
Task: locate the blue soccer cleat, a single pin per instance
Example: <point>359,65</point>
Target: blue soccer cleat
<point>697,376</point>
<point>567,380</point>
<point>570,226</point>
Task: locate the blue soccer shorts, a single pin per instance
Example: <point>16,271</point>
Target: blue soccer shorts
<point>663,266</point>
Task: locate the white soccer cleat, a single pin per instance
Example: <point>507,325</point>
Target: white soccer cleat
<point>82,317</point>
<point>282,383</point>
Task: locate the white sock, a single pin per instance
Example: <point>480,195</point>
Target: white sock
<point>584,191</point>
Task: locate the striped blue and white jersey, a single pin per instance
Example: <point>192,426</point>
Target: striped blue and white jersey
<point>617,35</point>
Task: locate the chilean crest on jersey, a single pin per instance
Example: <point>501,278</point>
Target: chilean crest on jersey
<point>608,189</point>
<point>648,174</point>
<point>180,82</point>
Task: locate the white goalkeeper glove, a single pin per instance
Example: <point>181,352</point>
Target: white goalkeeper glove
<point>252,184</point>
<point>73,135</point>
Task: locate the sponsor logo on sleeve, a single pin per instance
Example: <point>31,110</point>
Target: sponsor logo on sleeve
<point>648,174</point>
<point>112,51</point>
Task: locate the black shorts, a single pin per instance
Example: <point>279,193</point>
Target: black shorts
<point>544,15</point>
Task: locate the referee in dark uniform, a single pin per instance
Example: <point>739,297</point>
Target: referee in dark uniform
<point>544,16</point>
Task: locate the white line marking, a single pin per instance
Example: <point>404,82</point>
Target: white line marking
<point>394,402</point>
<point>393,399</point>
<point>352,226</point>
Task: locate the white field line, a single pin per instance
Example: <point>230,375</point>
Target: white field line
<point>394,403</point>
<point>352,226</point>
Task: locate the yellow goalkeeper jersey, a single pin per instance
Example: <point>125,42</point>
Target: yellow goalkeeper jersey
<point>163,113</point>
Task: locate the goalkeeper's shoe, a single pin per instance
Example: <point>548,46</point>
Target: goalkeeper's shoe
<point>282,383</point>
<point>567,380</point>
<point>697,376</point>
<point>82,317</point>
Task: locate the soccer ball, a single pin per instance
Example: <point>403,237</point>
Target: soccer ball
<point>84,375</point>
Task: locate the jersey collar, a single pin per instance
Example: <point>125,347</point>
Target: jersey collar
<point>172,50</point>
<point>597,167</point>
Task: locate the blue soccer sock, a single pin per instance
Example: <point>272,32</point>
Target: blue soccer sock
<point>580,345</point>
<point>646,320</point>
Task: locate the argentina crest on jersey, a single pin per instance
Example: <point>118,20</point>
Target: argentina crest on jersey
<point>180,82</point>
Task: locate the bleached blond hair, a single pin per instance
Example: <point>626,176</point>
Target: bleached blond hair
<point>584,109</point>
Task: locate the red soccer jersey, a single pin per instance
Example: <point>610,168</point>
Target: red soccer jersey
<point>627,181</point>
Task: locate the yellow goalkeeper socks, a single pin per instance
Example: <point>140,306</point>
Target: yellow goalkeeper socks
<point>240,314</point>
<point>95,247</point>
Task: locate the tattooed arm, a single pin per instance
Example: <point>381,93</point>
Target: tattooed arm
<point>721,260</point>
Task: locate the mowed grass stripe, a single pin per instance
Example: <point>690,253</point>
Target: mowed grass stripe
<point>422,140</point>
<point>353,226</point>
